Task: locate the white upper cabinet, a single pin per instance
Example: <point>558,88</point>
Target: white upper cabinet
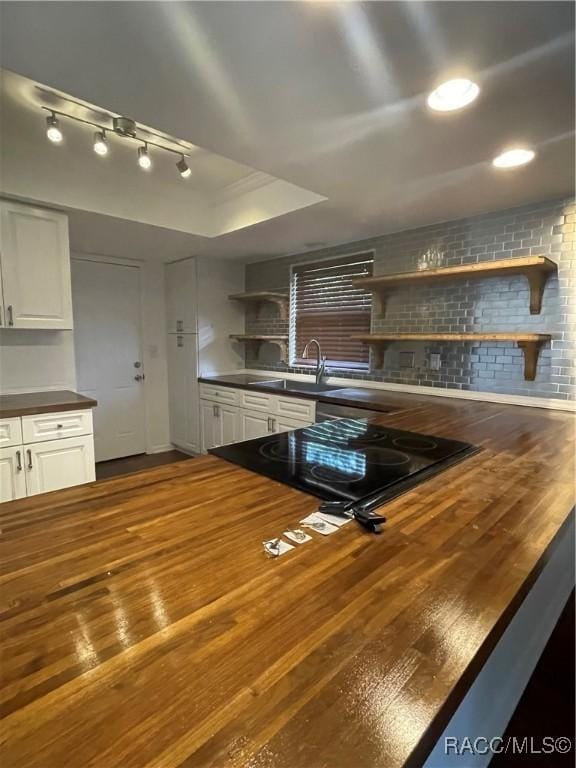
<point>35,268</point>
<point>181,316</point>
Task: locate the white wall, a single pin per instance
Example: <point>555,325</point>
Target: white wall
<point>218,316</point>
<point>36,360</point>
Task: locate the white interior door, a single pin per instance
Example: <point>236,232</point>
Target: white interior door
<point>108,344</point>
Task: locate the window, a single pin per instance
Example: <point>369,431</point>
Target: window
<point>326,306</point>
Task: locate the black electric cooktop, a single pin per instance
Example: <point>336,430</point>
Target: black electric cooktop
<point>347,459</point>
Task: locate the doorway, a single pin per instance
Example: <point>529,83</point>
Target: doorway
<point>108,346</point>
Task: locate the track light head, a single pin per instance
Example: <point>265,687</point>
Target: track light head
<point>144,160</point>
<point>53,129</point>
<point>100,143</point>
<point>183,168</point>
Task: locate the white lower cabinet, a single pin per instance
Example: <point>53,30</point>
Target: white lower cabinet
<point>59,464</point>
<point>220,424</point>
<point>53,460</point>
<point>12,478</point>
<point>254,424</point>
<point>223,423</point>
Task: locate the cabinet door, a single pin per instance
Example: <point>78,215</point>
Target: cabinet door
<point>181,296</point>
<point>59,464</point>
<point>254,424</point>
<point>282,424</point>
<point>229,424</point>
<point>209,424</point>
<point>183,391</point>
<point>35,268</point>
<point>12,478</point>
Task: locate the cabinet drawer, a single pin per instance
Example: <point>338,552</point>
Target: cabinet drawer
<point>257,401</point>
<point>55,426</point>
<point>305,410</point>
<point>10,432</point>
<point>219,394</point>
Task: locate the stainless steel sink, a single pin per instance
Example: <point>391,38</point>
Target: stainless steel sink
<point>296,386</point>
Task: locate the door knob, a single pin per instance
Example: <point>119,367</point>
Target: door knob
<point>137,364</point>
<point>139,377</point>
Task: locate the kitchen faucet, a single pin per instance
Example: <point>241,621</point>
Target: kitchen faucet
<point>320,361</point>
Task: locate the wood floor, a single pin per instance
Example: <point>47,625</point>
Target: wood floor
<point>117,467</point>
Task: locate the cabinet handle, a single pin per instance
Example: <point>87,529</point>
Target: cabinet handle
<point>10,311</point>
<point>179,325</point>
<point>59,426</point>
<point>216,410</point>
<point>273,425</point>
<point>29,452</point>
<point>19,461</point>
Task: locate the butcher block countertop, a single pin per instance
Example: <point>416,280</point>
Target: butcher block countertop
<point>31,403</point>
<point>142,624</point>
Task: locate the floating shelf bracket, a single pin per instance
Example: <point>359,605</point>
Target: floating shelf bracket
<point>280,300</point>
<point>529,343</point>
<point>280,341</point>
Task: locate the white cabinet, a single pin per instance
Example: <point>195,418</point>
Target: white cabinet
<point>181,316</point>
<point>45,452</point>
<point>230,415</point>
<point>283,424</point>
<point>35,268</point>
<point>59,464</point>
<point>183,392</point>
<point>221,424</point>
<point>10,432</point>
<point>12,478</point>
<point>254,424</point>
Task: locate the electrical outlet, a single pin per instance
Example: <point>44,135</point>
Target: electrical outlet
<point>435,361</point>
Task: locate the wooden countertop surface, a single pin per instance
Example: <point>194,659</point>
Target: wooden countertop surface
<point>142,624</point>
<point>31,403</point>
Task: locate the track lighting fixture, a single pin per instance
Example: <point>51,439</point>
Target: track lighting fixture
<point>124,128</point>
<point>144,160</point>
<point>53,129</point>
<point>100,143</point>
<point>182,166</point>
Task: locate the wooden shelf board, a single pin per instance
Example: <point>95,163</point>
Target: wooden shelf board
<point>496,336</point>
<point>535,269</point>
<point>479,269</point>
<point>280,341</point>
<point>281,300</point>
<point>259,296</point>
<point>247,337</point>
<point>529,343</point>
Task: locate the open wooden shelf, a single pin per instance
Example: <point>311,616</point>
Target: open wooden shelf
<point>529,343</point>
<point>279,341</point>
<point>535,269</point>
<point>281,300</point>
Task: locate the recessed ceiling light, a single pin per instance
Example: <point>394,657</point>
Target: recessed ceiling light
<point>53,129</point>
<point>453,94</point>
<point>100,143</point>
<point>514,157</point>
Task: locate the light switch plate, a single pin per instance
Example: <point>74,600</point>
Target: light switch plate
<point>435,361</point>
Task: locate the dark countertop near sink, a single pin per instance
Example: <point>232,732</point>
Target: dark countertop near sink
<point>359,397</point>
<point>31,403</point>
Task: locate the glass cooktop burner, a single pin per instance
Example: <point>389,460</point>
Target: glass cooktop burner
<point>346,459</point>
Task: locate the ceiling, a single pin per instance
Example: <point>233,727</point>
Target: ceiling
<point>327,96</point>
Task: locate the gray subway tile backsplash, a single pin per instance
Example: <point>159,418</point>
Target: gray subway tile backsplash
<point>487,304</point>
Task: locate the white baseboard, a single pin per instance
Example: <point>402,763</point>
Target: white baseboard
<point>408,389</point>
<point>161,448</point>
